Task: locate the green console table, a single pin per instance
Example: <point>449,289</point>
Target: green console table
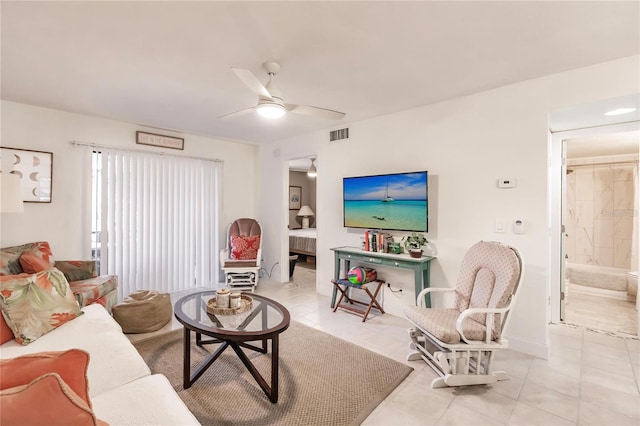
<point>420,266</point>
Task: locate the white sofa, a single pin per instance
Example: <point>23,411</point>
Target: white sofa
<point>121,387</point>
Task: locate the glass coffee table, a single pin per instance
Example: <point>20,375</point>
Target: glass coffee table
<point>263,322</point>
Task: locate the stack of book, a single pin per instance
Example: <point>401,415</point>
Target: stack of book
<point>377,241</point>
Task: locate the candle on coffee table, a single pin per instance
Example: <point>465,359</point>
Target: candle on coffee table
<point>222,298</point>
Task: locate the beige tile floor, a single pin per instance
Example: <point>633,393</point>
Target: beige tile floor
<point>590,378</point>
<point>601,310</point>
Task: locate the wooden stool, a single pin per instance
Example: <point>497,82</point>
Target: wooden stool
<point>349,307</point>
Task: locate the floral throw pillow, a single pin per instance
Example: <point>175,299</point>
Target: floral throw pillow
<point>245,248</point>
<point>10,257</point>
<point>32,263</point>
<point>35,304</point>
<point>77,270</point>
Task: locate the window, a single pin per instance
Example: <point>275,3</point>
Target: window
<point>154,219</point>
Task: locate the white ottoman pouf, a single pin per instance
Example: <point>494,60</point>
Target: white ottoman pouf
<point>143,311</point>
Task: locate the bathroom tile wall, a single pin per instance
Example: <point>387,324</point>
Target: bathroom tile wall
<point>600,211</point>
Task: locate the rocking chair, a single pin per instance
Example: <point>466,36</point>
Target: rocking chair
<point>241,257</point>
<point>459,342</point>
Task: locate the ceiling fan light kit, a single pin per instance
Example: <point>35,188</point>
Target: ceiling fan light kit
<point>270,110</point>
<point>312,172</point>
<point>270,100</point>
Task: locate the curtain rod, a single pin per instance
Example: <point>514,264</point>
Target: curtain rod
<point>93,145</point>
<point>603,164</point>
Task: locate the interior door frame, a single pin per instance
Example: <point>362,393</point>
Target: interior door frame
<point>563,229</point>
<point>555,204</point>
<point>284,252</point>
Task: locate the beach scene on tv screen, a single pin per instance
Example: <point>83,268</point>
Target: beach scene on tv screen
<point>393,202</point>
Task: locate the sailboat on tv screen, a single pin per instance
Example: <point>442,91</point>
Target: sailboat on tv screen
<point>386,198</point>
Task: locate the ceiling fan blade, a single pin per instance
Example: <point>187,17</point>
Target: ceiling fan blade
<point>252,82</point>
<point>315,111</point>
<point>238,113</point>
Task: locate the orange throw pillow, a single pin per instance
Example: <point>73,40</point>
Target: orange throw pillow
<point>47,400</point>
<point>70,365</point>
<point>32,263</point>
<point>5,332</point>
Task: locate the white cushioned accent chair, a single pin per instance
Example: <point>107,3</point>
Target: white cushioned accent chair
<point>241,258</point>
<point>459,341</point>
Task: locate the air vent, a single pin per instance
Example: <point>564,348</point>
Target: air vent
<point>336,135</point>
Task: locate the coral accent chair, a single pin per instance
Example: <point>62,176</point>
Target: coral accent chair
<point>241,258</point>
<point>459,342</point>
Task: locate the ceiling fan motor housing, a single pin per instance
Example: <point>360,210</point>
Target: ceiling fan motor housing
<point>276,95</point>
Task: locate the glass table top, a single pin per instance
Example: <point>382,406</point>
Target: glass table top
<point>263,317</point>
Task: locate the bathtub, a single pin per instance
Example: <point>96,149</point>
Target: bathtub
<point>632,283</point>
<point>597,276</point>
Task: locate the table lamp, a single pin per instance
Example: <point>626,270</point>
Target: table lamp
<point>305,212</point>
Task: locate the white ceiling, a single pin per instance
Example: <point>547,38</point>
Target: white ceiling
<point>594,114</point>
<point>167,64</point>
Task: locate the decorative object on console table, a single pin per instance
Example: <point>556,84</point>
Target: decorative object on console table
<point>394,248</point>
<point>10,193</point>
<point>35,169</point>
<point>414,243</point>
<point>295,197</point>
<point>305,212</point>
<point>162,141</point>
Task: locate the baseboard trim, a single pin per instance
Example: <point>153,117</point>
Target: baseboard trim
<point>528,347</point>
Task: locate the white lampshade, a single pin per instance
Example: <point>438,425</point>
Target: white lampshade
<point>10,193</point>
<point>305,211</point>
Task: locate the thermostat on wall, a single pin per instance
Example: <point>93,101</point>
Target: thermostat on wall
<point>507,183</point>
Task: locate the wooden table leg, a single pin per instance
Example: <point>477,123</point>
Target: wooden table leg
<point>275,361</point>
<point>270,391</point>
<point>186,356</point>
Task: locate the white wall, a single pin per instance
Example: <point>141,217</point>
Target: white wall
<point>466,144</point>
<point>59,222</point>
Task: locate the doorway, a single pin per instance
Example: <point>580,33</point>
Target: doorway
<point>600,238</point>
<point>607,116</point>
<point>302,219</point>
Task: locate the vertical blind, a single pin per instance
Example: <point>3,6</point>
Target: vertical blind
<point>158,220</point>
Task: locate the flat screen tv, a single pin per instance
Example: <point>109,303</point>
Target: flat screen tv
<point>395,201</point>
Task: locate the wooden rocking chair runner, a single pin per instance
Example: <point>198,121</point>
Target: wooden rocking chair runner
<point>459,342</point>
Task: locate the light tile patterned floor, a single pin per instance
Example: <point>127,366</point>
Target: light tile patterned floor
<point>601,310</point>
<point>589,379</point>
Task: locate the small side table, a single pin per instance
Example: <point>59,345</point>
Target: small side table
<point>343,285</point>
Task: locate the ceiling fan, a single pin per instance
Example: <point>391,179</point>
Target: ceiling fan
<point>270,100</point>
